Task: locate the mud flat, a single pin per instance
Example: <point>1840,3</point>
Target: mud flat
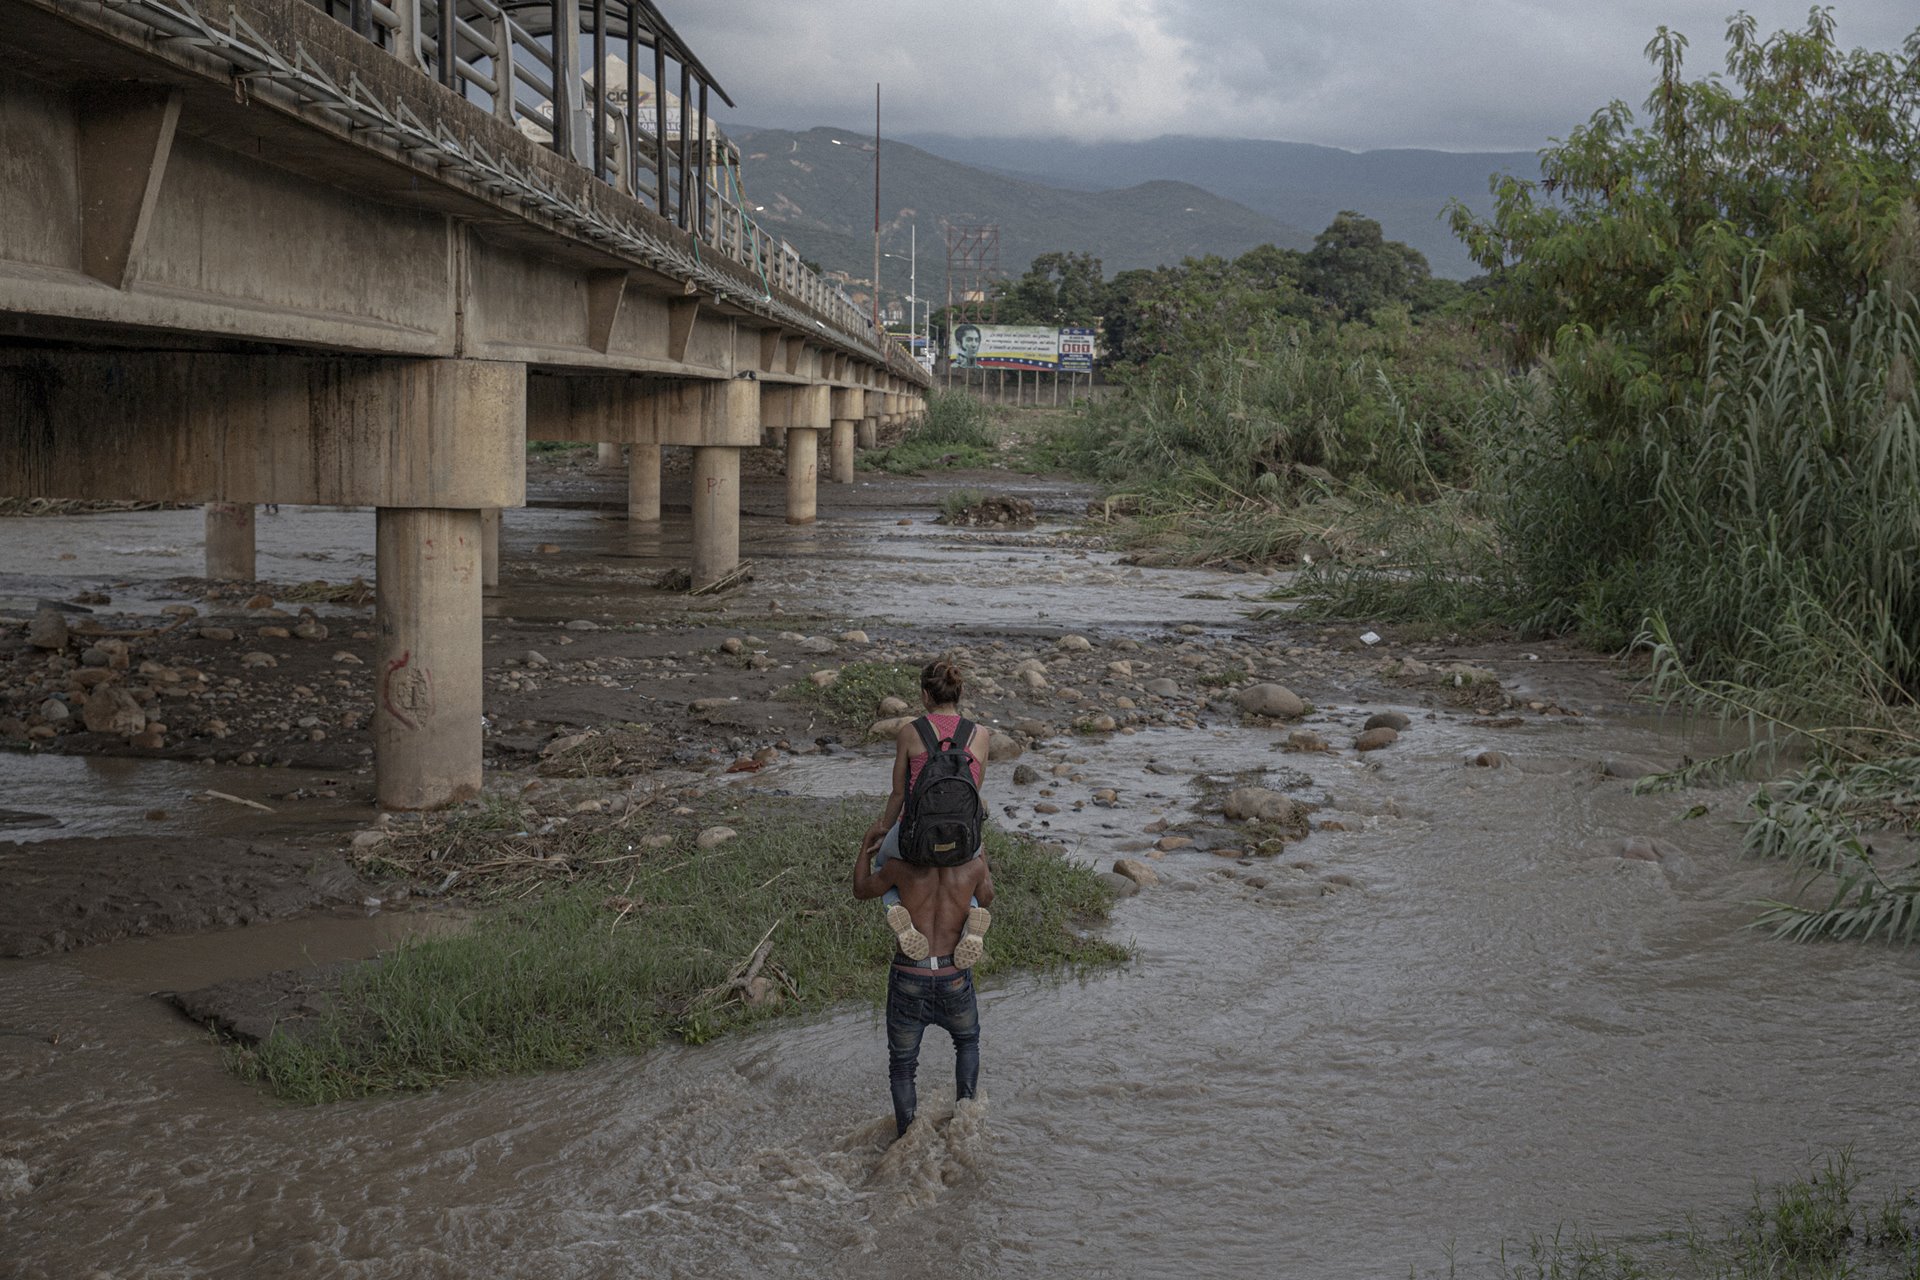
<point>1452,987</point>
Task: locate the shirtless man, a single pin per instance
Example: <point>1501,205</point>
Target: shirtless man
<point>931,991</point>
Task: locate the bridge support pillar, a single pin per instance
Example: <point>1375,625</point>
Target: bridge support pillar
<point>803,475</point>
<point>490,546</point>
<point>643,484</point>
<point>716,513</point>
<point>230,547</point>
<point>869,437</point>
<point>607,456</point>
<point>842,446</point>
<point>427,704</point>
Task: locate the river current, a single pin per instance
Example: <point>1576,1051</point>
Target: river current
<point>1499,1028</point>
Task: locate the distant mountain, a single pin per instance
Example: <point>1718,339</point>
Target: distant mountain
<point>1292,182</point>
<point>816,189</point>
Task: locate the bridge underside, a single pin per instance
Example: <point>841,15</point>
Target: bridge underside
<point>216,288</point>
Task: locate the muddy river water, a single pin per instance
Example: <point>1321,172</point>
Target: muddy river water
<point>1502,1027</point>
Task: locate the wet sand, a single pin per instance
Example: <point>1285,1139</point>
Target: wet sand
<point>1449,1015</point>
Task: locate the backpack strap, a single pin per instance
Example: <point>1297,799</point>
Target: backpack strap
<point>927,735</point>
<point>963,736</point>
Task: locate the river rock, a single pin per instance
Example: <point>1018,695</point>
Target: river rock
<point>816,644</point>
<point>1394,720</point>
<point>1121,670</point>
<point>273,633</point>
<point>1488,760</point>
<point>262,601</point>
<point>1259,803</point>
<point>1643,849</point>
<point>1074,644</point>
<point>732,644</point>
<point>258,659</point>
<point>1122,886</point>
<point>1375,739</point>
<point>1274,701</point>
<point>583,624</point>
<point>854,637</point>
<point>1025,775</point>
<point>1046,807</point>
<point>48,630</point>
<point>1632,770</point>
<point>1137,871</point>
<point>1307,740</point>
<point>1173,844</point>
<point>1100,723</point>
<point>889,728</point>
<point>217,634</point>
<point>310,630</point>
<point>1033,730</point>
<point>54,711</point>
<point>112,709</point>
<point>714,837</point>
<point>891,707</point>
<point>1004,746</point>
<point>824,679</point>
<point>179,611</point>
<point>707,706</point>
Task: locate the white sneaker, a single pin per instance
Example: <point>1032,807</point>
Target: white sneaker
<point>973,943</point>
<point>913,943</point>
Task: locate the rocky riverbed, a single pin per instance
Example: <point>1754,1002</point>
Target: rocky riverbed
<point>1414,963</point>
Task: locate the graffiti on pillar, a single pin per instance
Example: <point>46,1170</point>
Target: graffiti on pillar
<point>407,691</point>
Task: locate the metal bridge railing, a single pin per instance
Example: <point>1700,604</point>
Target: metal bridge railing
<point>538,65</point>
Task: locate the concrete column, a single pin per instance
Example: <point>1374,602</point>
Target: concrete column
<point>489,546</point>
<point>803,475</point>
<point>843,451</point>
<point>869,436</point>
<point>427,699</point>
<point>643,484</point>
<point>716,513</point>
<point>230,541</point>
<point>607,457</point>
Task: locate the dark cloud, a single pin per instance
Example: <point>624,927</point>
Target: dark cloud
<point>1493,74</point>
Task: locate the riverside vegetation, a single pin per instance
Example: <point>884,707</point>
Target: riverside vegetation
<point>615,934</point>
<point>1677,417</point>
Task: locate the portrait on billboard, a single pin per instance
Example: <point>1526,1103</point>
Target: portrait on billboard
<point>966,346</point>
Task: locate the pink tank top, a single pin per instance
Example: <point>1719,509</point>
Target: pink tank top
<point>943,727</point>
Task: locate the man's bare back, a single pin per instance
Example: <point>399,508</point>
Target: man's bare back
<point>938,898</point>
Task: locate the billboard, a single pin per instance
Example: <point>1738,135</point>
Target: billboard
<point>1076,351</point>
<point>1004,346</point>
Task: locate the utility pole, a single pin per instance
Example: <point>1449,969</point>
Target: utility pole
<point>879,333</point>
<point>913,288</point>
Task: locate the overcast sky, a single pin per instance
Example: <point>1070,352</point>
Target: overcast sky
<point>1485,75</point>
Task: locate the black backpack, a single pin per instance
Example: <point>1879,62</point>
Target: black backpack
<point>940,824</point>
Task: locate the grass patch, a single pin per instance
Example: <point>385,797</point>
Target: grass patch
<point>640,949</point>
<point>959,500</point>
<point>956,431</point>
<point>320,591</point>
<point>1812,1227</point>
<point>854,699</point>
<point>550,448</point>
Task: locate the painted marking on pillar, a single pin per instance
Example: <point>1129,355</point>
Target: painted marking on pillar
<point>407,691</point>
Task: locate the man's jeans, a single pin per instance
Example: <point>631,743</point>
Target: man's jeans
<point>915,1002</point>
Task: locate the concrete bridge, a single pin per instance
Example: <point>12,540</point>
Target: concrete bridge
<point>359,252</point>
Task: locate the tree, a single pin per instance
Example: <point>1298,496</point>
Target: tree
<point>1356,270</point>
<point>1057,289</point>
<point>1787,184</point>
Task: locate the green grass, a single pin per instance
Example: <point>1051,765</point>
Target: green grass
<point>1812,1227</point>
<point>854,699</point>
<point>549,448</point>
<point>642,952</point>
<point>956,431</point>
<point>959,500</point>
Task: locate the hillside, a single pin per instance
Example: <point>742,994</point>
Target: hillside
<point>1291,182</point>
<point>816,189</point>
